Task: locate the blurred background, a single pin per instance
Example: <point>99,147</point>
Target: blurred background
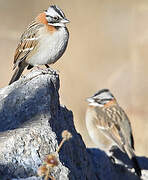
<point>108,48</point>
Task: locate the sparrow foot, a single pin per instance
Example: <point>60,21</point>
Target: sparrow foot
<point>49,70</point>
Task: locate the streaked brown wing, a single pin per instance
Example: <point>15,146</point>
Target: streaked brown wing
<point>28,42</point>
<point>126,128</point>
<point>107,125</point>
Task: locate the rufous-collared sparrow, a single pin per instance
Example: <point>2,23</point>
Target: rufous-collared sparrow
<point>108,125</point>
<point>43,42</point>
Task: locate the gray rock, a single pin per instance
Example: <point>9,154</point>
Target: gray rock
<point>32,121</point>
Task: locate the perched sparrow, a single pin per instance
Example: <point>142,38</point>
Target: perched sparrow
<point>43,42</point>
<point>108,125</point>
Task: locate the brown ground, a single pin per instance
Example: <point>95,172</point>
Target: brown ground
<point>107,49</point>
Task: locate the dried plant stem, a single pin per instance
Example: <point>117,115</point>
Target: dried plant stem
<point>52,178</point>
<point>51,160</point>
<point>47,174</point>
<point>60,145</point>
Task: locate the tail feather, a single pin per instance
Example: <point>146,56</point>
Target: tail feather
<point>17,74</point>
<point>135,163</point>
<point>136,166</point>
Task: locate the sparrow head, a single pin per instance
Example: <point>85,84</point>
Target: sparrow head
<point>55,16</point>
<point>101,98</point>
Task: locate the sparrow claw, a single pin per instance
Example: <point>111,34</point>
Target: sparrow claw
<point>50,71</point>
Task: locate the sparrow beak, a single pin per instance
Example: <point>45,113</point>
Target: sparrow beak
<point>65,21</point>
<point>90,99</point>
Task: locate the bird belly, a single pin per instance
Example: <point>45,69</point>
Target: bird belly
<point>49,49</point>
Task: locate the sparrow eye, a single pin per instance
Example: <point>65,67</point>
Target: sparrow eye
<point>56,18</point>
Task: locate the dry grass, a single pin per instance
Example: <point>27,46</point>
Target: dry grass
<point>107,49</point>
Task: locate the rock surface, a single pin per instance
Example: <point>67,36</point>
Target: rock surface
<point>32,121</point>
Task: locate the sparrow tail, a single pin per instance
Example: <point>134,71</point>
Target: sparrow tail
<point>136,166</point>
<point>17,74</point>
<point>134,161</point>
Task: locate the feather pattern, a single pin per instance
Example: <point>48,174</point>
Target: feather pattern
<point>28,42</point>
<point>114,123</point>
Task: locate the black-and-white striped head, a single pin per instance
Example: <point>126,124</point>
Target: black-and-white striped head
<point>101,98</point>
<point>56,17</point>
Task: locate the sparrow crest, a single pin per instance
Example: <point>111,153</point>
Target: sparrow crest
<point>56,17</point>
